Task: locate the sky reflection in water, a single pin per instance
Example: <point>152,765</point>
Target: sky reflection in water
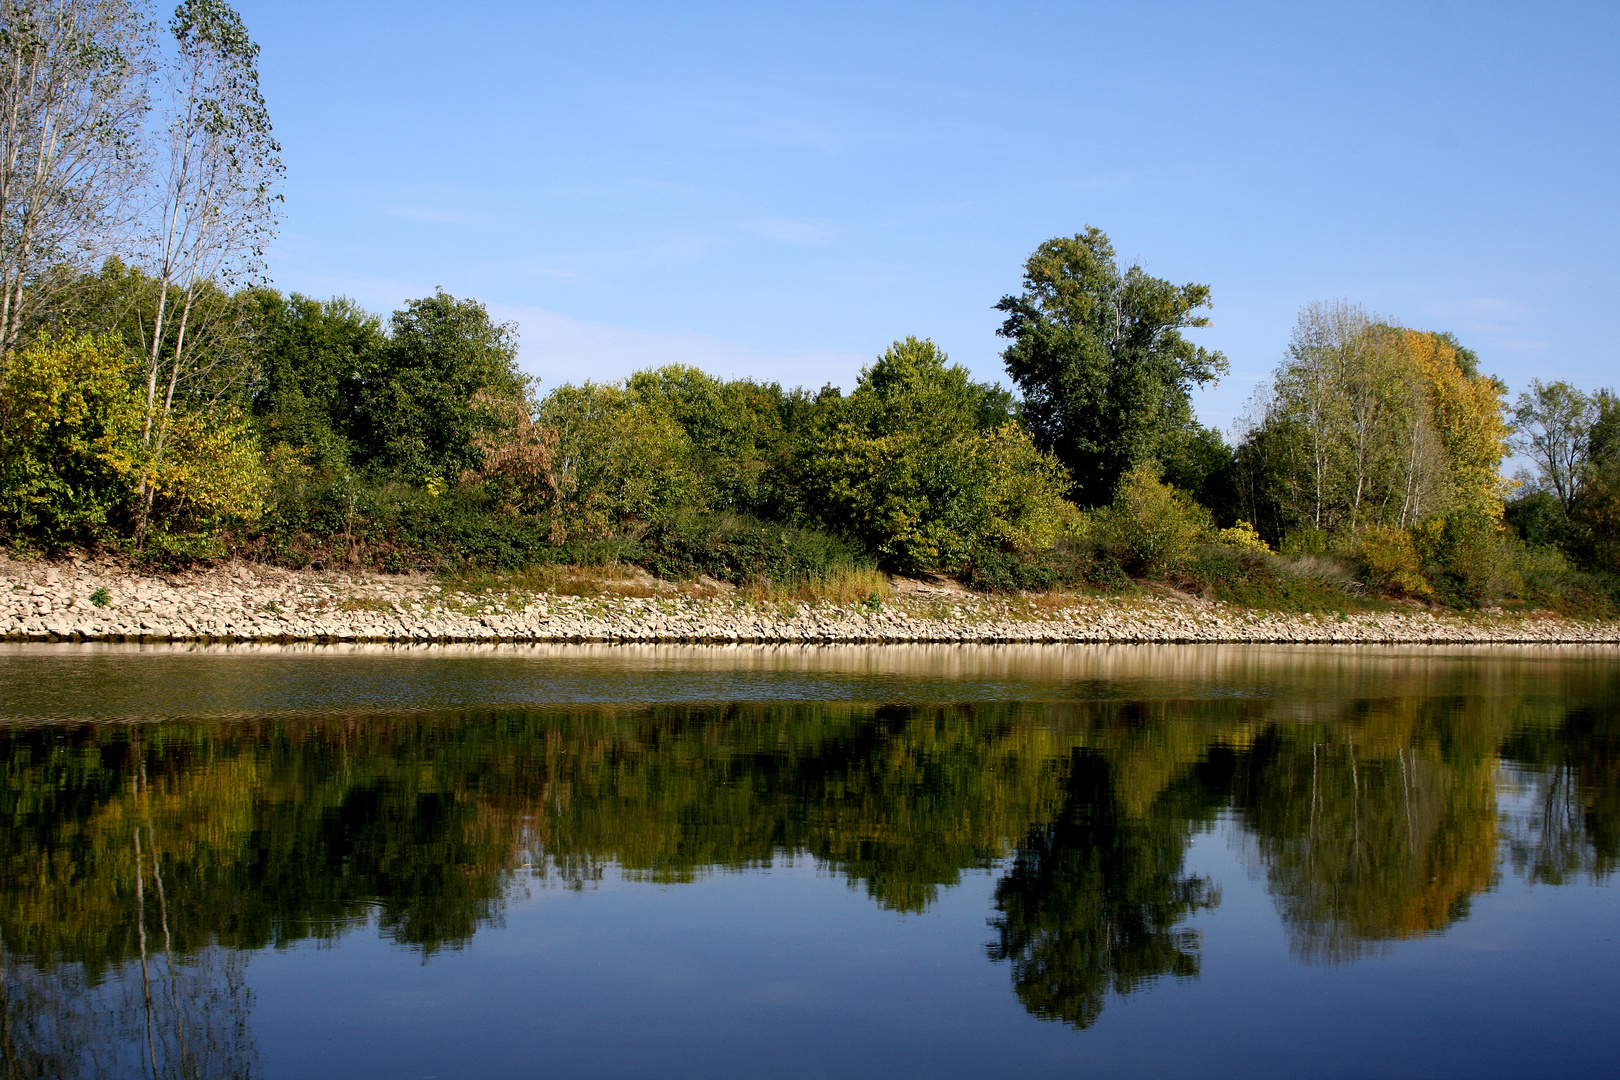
<point>899,862</point>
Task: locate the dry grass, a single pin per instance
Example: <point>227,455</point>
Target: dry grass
<point>845,588</point>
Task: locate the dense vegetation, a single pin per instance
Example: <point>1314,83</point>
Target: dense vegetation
<point>158,399</point>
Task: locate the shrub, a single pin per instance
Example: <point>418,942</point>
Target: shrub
<point>1465,555</point>
<point>1539,519</point>
<point>1304,542</point>
<point>1151,526</point>
<point>739,549</point>
<point>69,426</point>
<point>1243,536</point>
<point>1253,577</point>
<point>923,466</point>
<point>1389,559</point>
<point>1070,563</point>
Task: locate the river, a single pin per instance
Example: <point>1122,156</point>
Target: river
<point>515,861</point>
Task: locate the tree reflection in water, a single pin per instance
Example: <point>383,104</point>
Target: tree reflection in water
<point>141,863</point>
<point>1095,898</point>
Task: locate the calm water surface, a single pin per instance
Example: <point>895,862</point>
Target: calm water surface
<point>804,862</point>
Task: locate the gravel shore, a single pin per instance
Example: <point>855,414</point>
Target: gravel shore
<point>42,601</point>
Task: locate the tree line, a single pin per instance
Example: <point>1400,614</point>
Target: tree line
<point>158,397</point>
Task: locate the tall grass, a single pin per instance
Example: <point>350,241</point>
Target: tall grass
<point>844,587</point>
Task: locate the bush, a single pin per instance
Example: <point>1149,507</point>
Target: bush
<point>1244,537</point>
<point>1069,564</point>
<point>1539,519</point>
<point>1304,542</point>
<point>739,549</point>
<point>923,466</point>
<point>1389,560</point>
<point>1253,577</point>
<point>1465,555</point>
<point>69,426</point>
<point>1151,526</point>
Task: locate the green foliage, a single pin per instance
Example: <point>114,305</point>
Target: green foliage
<point>738,430</point>
<point>1099,355</point>
<point>1554,423</point>
<point>1254,578</point>
<point>69,422</point>
<point>1539,519</point>
<point>1151,526</point>
<point>399,527</point>
<point>1596,510</point>
<point>212,474</point>
<point>1071,563</point>
<point>619,459</point>
<point>312,358</point>
<point>740,550</point>
<point>1201,463</point>
<point>1465,554</point>
<point>906,466</point>
<point>1371,424</point>
<point>100,597</point>
<point>414,417</point>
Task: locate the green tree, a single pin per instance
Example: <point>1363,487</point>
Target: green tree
<point>738,429</point>
<point>1596,508</point>
<point>68,421</point>
<point>616,459</point>
<point>1098,353</point>
<point>414,417</point>
<point>312,358</point>
<point>923,465</point>
<point>1554,422</point>
<point>1150,524</point>
<point>1366,424</point>
<point>216,210</point>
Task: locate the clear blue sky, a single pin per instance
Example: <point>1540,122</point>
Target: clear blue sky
<point>779,191</point>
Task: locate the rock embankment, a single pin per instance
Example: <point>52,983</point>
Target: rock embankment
<point>92,602</point>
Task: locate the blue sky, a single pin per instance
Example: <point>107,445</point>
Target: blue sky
<point>779,191</point>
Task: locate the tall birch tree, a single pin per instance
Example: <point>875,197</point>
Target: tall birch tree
<point>216,213</point>
<point>74,94</point>
<point>1367,423</point>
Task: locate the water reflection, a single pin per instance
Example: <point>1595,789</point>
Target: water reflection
<point>140,863</point>
<point>1095,899</point>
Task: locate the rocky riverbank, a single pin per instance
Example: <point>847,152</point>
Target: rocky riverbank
<point>87,601</point>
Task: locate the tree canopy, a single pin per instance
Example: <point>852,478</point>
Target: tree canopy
<point>1098,353</point>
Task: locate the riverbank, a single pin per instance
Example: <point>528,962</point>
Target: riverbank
<point>82,601</point>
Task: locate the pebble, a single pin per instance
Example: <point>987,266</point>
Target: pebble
<point>246,602</point>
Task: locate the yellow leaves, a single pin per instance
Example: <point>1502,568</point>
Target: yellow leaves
<point>1243,536</point>
<point>66,383</point>
<point>1389,556</point>
<point>1028,509</point>
<point>1468,417</point>
<point>209,468</point>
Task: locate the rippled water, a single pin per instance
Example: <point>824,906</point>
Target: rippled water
<point>842,861</point>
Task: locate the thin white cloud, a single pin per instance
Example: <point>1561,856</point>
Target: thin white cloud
<point>558,349</point>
